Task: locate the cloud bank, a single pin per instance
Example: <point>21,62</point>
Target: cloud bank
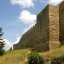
<point>54,2</point>
<point>27,17</point>
<point>31,3</point>
<point>9,44</point>
<point>23,3</point>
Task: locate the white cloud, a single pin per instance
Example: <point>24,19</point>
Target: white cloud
<point>9,45</point>
<point>43,1</point>
<point>55,2</point>
<point>52,2</point>
<point>17,40</point>
<point>26,29</point>
<point>27,17</point>
<point>23,3</point>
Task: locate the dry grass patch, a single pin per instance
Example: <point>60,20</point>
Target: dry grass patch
<point>15,57</point>
<point>54,53</point>
<point>20,56</point>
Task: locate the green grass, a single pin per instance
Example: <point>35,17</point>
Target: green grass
<point>15,57</point>
<point>20,56</point>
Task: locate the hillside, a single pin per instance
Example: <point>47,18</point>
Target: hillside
<point>15,57</point>
<point>20,56</point>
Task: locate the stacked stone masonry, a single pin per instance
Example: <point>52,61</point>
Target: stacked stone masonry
<point>48,32</point>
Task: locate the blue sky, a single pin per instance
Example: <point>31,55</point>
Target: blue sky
<point>9,13</point>
<point>14,17</point>
<point>9,21</point>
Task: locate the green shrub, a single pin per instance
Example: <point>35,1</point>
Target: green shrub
<point>35,58</point>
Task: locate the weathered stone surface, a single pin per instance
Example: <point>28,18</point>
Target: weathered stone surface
<point>37,37</point>
<point>54,27</point>
<point>61,22</point>
<point>48,33</point>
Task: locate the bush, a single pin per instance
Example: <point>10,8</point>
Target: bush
<point>35,58</point>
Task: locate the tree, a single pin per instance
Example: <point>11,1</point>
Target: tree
<point>1,42</point>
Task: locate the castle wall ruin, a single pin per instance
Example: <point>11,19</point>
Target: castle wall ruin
<point>48,32</point>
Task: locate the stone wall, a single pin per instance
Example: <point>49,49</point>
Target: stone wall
<point>54,27</point>
<point>61,22</point>
<point>37,36</point>
<point>48,32</point>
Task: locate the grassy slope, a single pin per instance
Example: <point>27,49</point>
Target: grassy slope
<point>54,53</point>
<point>15,57</point>
<point>20,56</point>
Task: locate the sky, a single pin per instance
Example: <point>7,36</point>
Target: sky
<point>17,16</point>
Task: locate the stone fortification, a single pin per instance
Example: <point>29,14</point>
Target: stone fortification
<point>48,32</point>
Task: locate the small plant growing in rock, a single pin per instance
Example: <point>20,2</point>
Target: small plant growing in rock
<point>35,58</point>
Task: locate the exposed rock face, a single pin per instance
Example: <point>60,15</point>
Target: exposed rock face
<point>48,32</point>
